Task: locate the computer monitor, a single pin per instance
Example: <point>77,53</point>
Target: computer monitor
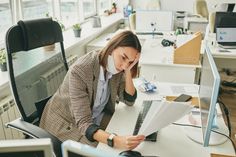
<point>148,20</point>
<point>207,116</point>
<point>225,20</point>
<point>75,149</point>
<point>208,95</point>
<point>226,37</point>
<point>26,148</point>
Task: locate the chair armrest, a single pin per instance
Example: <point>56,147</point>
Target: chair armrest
<point>36,132</point>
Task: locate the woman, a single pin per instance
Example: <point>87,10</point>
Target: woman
<point>83,105</point>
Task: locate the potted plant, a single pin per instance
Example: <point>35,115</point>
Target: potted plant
<point>77,30</point>
<point>114,8</point>
<point>107,12</point>
<point>3,60</point>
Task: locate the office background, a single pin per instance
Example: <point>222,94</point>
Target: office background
<point>69,12</point>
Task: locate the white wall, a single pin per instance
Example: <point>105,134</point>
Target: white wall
<point>218,5</point>
<point>182,5</point>
<point>121,4</point>
<point>177,5</point>
<point>172,5</point>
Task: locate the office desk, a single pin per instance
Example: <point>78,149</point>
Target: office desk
<point>156,61</point>
<point>224,58</point>
<point>99,42</point>
<point>157,64</point>
<point>219,52</point>
<point>171,140</point>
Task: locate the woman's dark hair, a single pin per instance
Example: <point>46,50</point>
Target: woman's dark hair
<point>123,39</point>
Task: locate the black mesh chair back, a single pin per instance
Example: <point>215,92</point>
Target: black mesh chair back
<point>27,62</point>
<point>22,42</point>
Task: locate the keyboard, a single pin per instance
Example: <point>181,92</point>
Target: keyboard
<point>142,114</point>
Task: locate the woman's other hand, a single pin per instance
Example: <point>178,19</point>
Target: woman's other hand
<point>128,142</point>
<point>134,62</point>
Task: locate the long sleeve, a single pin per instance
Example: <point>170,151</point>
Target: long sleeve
<point>80,104</point>
<point>125,97</point>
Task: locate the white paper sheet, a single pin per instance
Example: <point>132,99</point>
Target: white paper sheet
<point>167,89</point>
<point>163,114</point>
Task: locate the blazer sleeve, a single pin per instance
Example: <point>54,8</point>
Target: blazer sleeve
<point>80,104</point>
<point>125,97</point>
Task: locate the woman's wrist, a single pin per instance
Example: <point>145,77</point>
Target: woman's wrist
<point>116,141</point>
<point>129,86</point>
<point>128,73</point>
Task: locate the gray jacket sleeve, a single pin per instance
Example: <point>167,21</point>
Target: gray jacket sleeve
<point>125,97</point>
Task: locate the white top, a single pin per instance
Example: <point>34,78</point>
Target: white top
<point>102,96</point>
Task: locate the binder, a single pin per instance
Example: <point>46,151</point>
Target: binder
<point>189,53</point>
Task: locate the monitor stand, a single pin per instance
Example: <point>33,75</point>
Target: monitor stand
<point>196,135</point>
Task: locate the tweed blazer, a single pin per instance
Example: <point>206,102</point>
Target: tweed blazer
<point>68,114</point>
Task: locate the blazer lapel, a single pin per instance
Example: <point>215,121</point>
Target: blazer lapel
<point>95,79</point>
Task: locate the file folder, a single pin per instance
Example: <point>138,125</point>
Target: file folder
<point>189,53</point>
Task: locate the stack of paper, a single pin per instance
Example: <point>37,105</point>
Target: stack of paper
<point>162,114</point>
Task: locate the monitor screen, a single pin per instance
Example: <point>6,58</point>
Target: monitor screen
<point>226,35</point>
<point>75,149</point>
<point>26,148</point>
<point>208,94</point>
<point>149,20</point>
<point>225,19</point>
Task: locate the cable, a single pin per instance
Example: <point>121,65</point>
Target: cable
<point>227,137</point>
<point>226,111</point>
<point>194,126</point>
<point>227,91</point>
<point>189,125</point>
<point>231,83</point>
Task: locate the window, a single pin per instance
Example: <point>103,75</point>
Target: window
<point>89,8</point>
<point>32,9</point>
<point>104,5</point>
<point>69,12</point>
<point>5,18</point>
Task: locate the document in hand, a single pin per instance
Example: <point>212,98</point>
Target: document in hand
<point>162,114</point>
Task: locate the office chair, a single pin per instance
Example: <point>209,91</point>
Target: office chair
<point>132,21</point>
<point>201,9</point>
<point>212,17</point>
<point>21,42</point>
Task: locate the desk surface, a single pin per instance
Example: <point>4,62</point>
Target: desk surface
<point>153,53</point>
<point>217,51</point>
<point>171,140</point>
